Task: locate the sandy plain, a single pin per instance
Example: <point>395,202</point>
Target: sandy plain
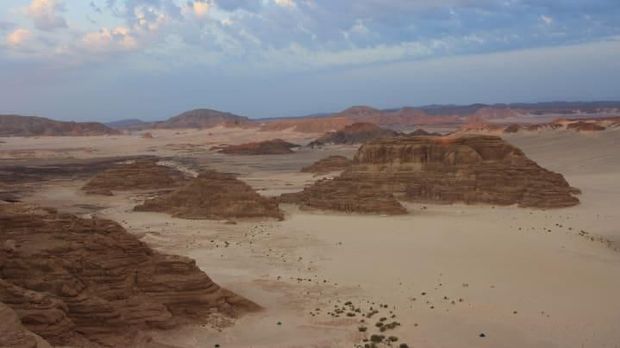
<point>448,274</point>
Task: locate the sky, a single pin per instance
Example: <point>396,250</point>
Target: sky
<point>151,59</point>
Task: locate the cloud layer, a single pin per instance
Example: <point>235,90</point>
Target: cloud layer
<point>256,39</point>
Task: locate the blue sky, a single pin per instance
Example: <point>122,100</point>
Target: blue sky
<point>113,59</point>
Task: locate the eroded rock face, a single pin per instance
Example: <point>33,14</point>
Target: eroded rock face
<point>585,127</point>
<point>327,165</point>
<point>84,282</point>
<point>14,334</point>
<point>345,195</point>
<point>214,195</point>
<point>469,169</point>
<point>143,174</point>
<point>356,133</point>
<point>269,147</point>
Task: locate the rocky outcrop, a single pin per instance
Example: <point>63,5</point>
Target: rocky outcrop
<point>268,147</point>
<point>204,118</point>
<point>84,282</point>
<point>582,126</point>
<point>141,174</point>
<point>423,132</point>
<point>26,126</point>
<point>328,165</point>
<point>214,195</point>
<point>469,169</point>
<point>345,195</point>
<point>14,334</point>
<point>356,133</point>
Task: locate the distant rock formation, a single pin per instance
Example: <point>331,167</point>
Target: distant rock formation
<point>131,123</point>
<point>422,132</point>
<point>142,174</point>
<point>26,126</point>
<point>204,118</point>
<point>88,282</point>
<point>147,135</point>
<point>356,133</point>
<point>470,169</point>
<point>214,195</point>
<point>327,165</point>
<point>582,126</point>
<point>268,147</point>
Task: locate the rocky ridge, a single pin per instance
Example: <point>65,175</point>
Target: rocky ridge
<point>214,195</point>
<point>470,169</point>
<point>89,283</point>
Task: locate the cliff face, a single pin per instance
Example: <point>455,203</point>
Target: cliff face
<point>469,169</point>
<point>25,126</point>
<point>141,174</point>
<point>214,195</point>
<point>84,282</point>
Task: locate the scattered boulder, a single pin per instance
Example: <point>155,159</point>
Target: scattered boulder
<point>88,282</point>
<point>327,165</point>
<point>356,133</point>
<point>214,195</point>
<point>142,174</point>
<point>269,147</point>
<point>147,135</point>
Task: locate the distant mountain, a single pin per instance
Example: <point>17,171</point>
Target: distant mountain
<point>204,118</point>
<point>131,123</point>
<point>16,125</point>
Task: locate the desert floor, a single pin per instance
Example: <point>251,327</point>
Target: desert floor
<point>446,273</point>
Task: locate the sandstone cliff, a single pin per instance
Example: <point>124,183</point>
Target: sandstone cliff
<point>88,282</point>
<point>469,169</point>
<point>25,126</point>
<point>214,195</point>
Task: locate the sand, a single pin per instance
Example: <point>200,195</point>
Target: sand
<point>521,277</point>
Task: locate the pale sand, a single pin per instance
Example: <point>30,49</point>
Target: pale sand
<point>563,286</point>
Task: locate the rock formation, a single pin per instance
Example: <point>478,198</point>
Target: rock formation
<point>327,165</point>
<point>204,118</point>
<point>469,169</point>
<point>422,132</point>
<point>88,282</point>
<point>346,195</point>
<point>214,195</point>
<point>356,133</point>
<point>26,126</point>
<point>582,126</point>
<point>268,147</point>
<point>142,174</point>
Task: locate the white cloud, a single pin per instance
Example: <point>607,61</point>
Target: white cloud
<point>44,14</point>
<point>546,19</point>
<point>285,3</point>
<point>119,38</point>
<point>200,8</point>
<point>17,37</point>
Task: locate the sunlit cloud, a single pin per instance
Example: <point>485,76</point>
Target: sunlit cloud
<point>285,3</point>
<point>119,38</point>
<point>44,14</point>
<point>200,8</point>
<point>17,37</point>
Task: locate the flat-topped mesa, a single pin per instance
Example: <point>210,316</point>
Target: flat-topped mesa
<point>268,147</point>
<point>356,133</point>
<point>143,174</point>
<point>214,195</point>
<point>470,169</point>
<point>328,165</point>
<point>84,282</point>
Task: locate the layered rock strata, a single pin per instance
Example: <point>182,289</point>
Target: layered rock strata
<point>214,195</point>
<point>88,282</point>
